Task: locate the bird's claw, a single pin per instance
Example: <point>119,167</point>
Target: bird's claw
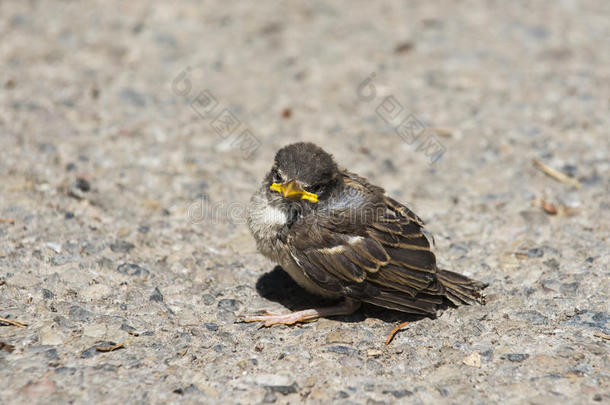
<point>268,319</point>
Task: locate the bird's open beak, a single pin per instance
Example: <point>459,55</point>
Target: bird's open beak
<point>293,190</point>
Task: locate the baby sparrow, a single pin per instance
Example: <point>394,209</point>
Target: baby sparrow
<point>340,236</point>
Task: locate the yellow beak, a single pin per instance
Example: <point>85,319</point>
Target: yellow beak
<point>291,189</point>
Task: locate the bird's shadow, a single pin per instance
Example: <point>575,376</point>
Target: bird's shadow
<point>278,286</point>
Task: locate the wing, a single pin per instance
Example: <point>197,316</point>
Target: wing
<point>376,252</point>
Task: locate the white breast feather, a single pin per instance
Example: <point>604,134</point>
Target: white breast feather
<point>273,216</point>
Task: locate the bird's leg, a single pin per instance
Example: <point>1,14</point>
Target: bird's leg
<point>347,307</point>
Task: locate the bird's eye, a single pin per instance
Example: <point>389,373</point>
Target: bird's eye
<point>316,189</point>
<point>276,177</point>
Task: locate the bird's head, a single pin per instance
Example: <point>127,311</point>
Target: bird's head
<point>302,174</point>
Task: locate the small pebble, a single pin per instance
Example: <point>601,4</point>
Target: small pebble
<point>398,393</point>
<point>131,269</point>
<point>403,47</point>
<point>342,350</point>
<point>515,357</point>
<point>128,328</point>
<point>78,313</point>
<point>208,299</point>
<point>56,247</point>
<point>47,294</point>
<point>535,253</point>
<point>342,395</point>
<point>83,184</point>
<point>229,304</point>
<point>156,296</point>
<point>212,327</point>
<point>121,246</point>
<point>270,397</point>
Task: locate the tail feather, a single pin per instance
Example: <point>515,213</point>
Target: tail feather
<point>460,289</point>
<point>403,302</point>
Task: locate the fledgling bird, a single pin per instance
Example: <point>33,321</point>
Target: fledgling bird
<point>339,236</point>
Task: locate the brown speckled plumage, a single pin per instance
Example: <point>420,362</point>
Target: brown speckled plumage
<point>355,242</point>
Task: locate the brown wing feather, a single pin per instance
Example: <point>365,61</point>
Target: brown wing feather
<point>383,258</point>
<point>347,258</point>
<point>410,279</point>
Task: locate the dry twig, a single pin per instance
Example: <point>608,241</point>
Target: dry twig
<point>556,174</point>
<point>601,335</point>
<point>394,331</point>
<point>14,323</point>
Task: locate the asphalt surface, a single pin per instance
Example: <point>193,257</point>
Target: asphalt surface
<point>133,134</point>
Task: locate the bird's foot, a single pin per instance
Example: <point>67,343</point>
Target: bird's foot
<point>271,318</point>
<point>347,307</point>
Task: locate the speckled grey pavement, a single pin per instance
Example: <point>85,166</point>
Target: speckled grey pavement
<point>122,194</point>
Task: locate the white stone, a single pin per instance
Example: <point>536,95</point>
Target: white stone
<point>96,292</point>
<point>95,330</point>
<point>50,336</point>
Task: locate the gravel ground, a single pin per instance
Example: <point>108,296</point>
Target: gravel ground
<point>132,135</point>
